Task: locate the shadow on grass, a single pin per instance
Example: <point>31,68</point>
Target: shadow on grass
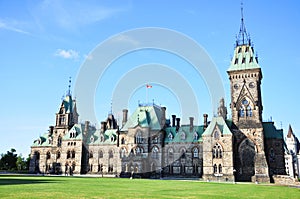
<point>18,181</point>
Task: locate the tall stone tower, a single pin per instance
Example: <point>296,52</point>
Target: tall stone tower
<point>246,106</point>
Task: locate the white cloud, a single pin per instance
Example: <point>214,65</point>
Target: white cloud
<point>12,27</point>
<point>67,54</point>
<point>71,16</point>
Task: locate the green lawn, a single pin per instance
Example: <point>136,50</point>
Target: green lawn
<point>79,187</point>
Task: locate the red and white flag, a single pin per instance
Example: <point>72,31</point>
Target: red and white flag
<point>148,86</point>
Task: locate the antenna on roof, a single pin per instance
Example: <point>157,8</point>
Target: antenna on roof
<point>69,87</point>
<point>111,112</point>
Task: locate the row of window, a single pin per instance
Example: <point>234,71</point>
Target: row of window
<point>71,143</point>
<point>217,169</point>
<point>217,151</point>
<point>110,154</point>
<point>183,136</point>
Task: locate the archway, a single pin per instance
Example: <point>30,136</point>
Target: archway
<point>246,155</point>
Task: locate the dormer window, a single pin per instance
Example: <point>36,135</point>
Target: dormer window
<point>195,136</point>
<point>183,136</point>
<point>247,49</point>
<point>101,138</point>
<point>170,136</point>
<point>217,135</point>
<point>240,50</point>
<point>92,139</point>
<point>112,138</point>
<point>236,61</point>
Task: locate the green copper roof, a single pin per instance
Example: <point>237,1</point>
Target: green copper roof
<point>184,134</point>
<point>42,141</point>
<point>145,116</point>
<point>222,125</point>
<point>69,104</point>
<point>244,58</point>
<point>270,131</point>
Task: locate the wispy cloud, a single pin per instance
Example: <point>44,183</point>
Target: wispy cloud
<point>126,39</point>
<point>12,26</point>
<point>67,54</point>
<point>71,15</point>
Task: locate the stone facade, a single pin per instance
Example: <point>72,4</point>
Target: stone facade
<point>148,145</point>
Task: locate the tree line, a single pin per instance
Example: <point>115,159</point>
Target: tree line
<point>11,161</point>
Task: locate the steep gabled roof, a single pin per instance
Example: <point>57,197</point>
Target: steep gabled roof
<point>221,124</point>
<point>270,131</point>
<point>290,132</point>
<point>243,59</point>
<point>145,116</point>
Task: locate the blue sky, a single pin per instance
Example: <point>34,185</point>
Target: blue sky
<point>43,43</point>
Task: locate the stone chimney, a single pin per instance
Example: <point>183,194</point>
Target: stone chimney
<point>86,127</point>
<point>177,123</point>
<point>103,127</point>
<point>163,116</point>
<point>191,123</point>
<point>173,120</point>
<point>125,114</point>
<point>205,124</point>
<point>51,130</point>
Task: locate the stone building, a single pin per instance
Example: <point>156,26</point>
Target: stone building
<point>292,154</point>
<point>147,144</point>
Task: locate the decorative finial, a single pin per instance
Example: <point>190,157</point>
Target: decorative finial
<point>69,90</point>
<point>243,38</point>
<point>111,112</point>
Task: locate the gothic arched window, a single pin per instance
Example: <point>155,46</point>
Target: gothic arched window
<point>215,168</point>
<point>110,154</point>
<point>138,150</point>
<point>100,154</point>
<point>123,152</point>
<point>249,111</point>
<point>155,152</point>
<point>220,168</point>
<point>242,112</point>
<point>138,138</point>
<point>217,151</point>
<point>170,155</point>
<point>59,141</point>
<point>73,154</point>
<point>68,154</point>
<point>195,153</point>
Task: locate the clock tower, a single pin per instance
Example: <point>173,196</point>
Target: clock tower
<point>246,106</point>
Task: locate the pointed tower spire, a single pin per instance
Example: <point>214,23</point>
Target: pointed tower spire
<point>243,37</point>
<point>69,87</point>
<point>290,132</point>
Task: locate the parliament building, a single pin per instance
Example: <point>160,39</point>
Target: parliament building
<point>148,145</point>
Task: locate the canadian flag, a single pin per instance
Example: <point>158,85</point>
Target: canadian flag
<point>148,86</point>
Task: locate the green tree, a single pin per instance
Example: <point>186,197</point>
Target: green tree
<point>21,163</point>
<point>8,161</point>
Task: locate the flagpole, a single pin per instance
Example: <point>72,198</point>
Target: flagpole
<point>147,93</point>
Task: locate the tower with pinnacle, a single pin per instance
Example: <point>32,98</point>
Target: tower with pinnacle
<point>246,106</point>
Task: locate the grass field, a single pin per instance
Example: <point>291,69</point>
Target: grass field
<point>78,187</point>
